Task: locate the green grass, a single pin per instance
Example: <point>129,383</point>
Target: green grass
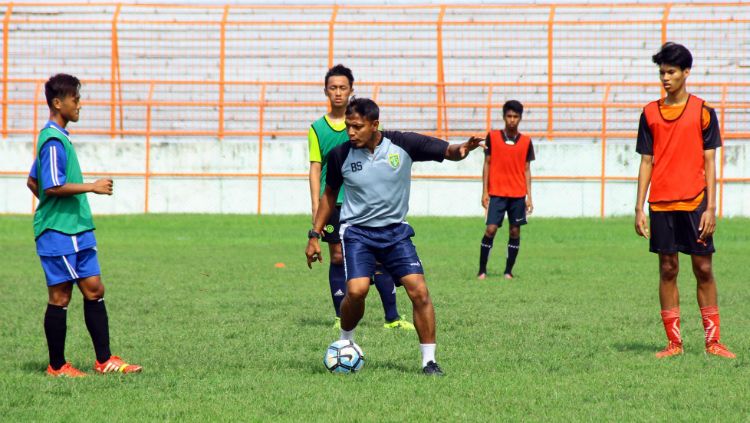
<point>224,335</point>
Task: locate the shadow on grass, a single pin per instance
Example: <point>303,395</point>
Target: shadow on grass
<point>327,322</point>
<point>394,365</point>
<point>316,367</point>
<point>636,347</point>
<point>315,321</point>
<point>35,367</point>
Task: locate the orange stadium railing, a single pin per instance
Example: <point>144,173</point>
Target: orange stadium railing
<point>115,125</point>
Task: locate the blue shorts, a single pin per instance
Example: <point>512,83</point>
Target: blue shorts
<point>390,246</point>
<point>514,206</point>
<point>71,267</point>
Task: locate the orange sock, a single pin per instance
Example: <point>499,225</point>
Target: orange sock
<point>710,316</point>
<point>671,319</point>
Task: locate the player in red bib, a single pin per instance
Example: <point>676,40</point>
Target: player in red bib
<point>677,140</point>
<point>506,185</point>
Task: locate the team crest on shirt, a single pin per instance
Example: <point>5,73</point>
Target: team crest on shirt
<point>394,160</point>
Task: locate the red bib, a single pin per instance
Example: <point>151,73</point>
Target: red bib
<point>678,172</point>
<point>507,166</point>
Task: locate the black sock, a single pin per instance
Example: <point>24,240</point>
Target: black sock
<point>97,323</point>
<point>387,290</point>
<point>514,244</point>
<point>337,281</point>
<point>55,328</point>
<point>484,253</point>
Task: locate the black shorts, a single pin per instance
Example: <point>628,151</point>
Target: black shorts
<point>677,231</point>
<point>515,206</point>
<point>331,229</point>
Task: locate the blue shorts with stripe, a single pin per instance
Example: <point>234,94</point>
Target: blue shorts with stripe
<point>70,267</point>
<point>390,246</point>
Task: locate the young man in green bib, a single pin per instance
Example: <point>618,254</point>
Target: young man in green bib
<point>326,133</point>
<point>64,233</point>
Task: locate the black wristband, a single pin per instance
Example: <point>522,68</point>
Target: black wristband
<point>312,234</point>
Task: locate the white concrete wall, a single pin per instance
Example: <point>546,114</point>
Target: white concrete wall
<point>238,194</point>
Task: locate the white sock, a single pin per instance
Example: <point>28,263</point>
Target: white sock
<point>347,335</point>
<point>428,353</point>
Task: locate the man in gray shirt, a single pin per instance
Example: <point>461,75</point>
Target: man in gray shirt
<point>375,169</point>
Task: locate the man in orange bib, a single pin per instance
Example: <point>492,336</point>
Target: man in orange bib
<point>506,185</point>
<point>677,140</point>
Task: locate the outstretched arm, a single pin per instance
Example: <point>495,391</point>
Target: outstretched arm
<point>456,152</point>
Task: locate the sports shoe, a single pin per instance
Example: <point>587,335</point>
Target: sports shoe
<point>115,364</point>
<point>399,323</point>
<point>720,350</point>
<point>67,370</point>
<point>481,276</point>
<point>672,349</point>
<point>337,323</point>
<point>432,369</point>
<point>508,276</point>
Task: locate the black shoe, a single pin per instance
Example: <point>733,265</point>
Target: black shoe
<point>432,369</point>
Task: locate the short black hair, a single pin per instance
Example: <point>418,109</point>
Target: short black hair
<point>513,105</point>
<point>340,70</point>
<point>675,55</point>
<point>61,86</point>
<point>363,107</point>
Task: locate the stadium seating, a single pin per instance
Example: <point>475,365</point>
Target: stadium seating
<point>481,45</point>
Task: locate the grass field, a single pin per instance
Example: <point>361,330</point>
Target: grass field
<point>224,335</point>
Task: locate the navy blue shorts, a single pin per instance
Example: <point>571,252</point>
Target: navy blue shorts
<point>390,246</point>
<point>515,206</point>
<point>71,267</point>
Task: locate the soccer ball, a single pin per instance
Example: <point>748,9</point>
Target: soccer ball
<point>344,357</point>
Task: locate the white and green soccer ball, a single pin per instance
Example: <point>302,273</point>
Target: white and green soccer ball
<point>344,357</point>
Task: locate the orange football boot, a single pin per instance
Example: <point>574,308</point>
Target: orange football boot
<point>715,348</point>
<point>672,349</point>
<point>67,370</point>
<point>116,364</point>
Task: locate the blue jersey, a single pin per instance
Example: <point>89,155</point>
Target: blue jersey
<point>52,162</point>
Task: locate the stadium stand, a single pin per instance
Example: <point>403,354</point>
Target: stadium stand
<point>252,72</point>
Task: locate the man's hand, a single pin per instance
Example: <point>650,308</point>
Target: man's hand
<point>485,200</point>
<point>103,186</point>
<point>313,252</point>
<point>470,145</point>
<point>707,226</point>
<point>641,224</point>
<point>529,205</point>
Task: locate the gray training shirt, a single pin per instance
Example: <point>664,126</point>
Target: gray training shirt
<point>377,185</point>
